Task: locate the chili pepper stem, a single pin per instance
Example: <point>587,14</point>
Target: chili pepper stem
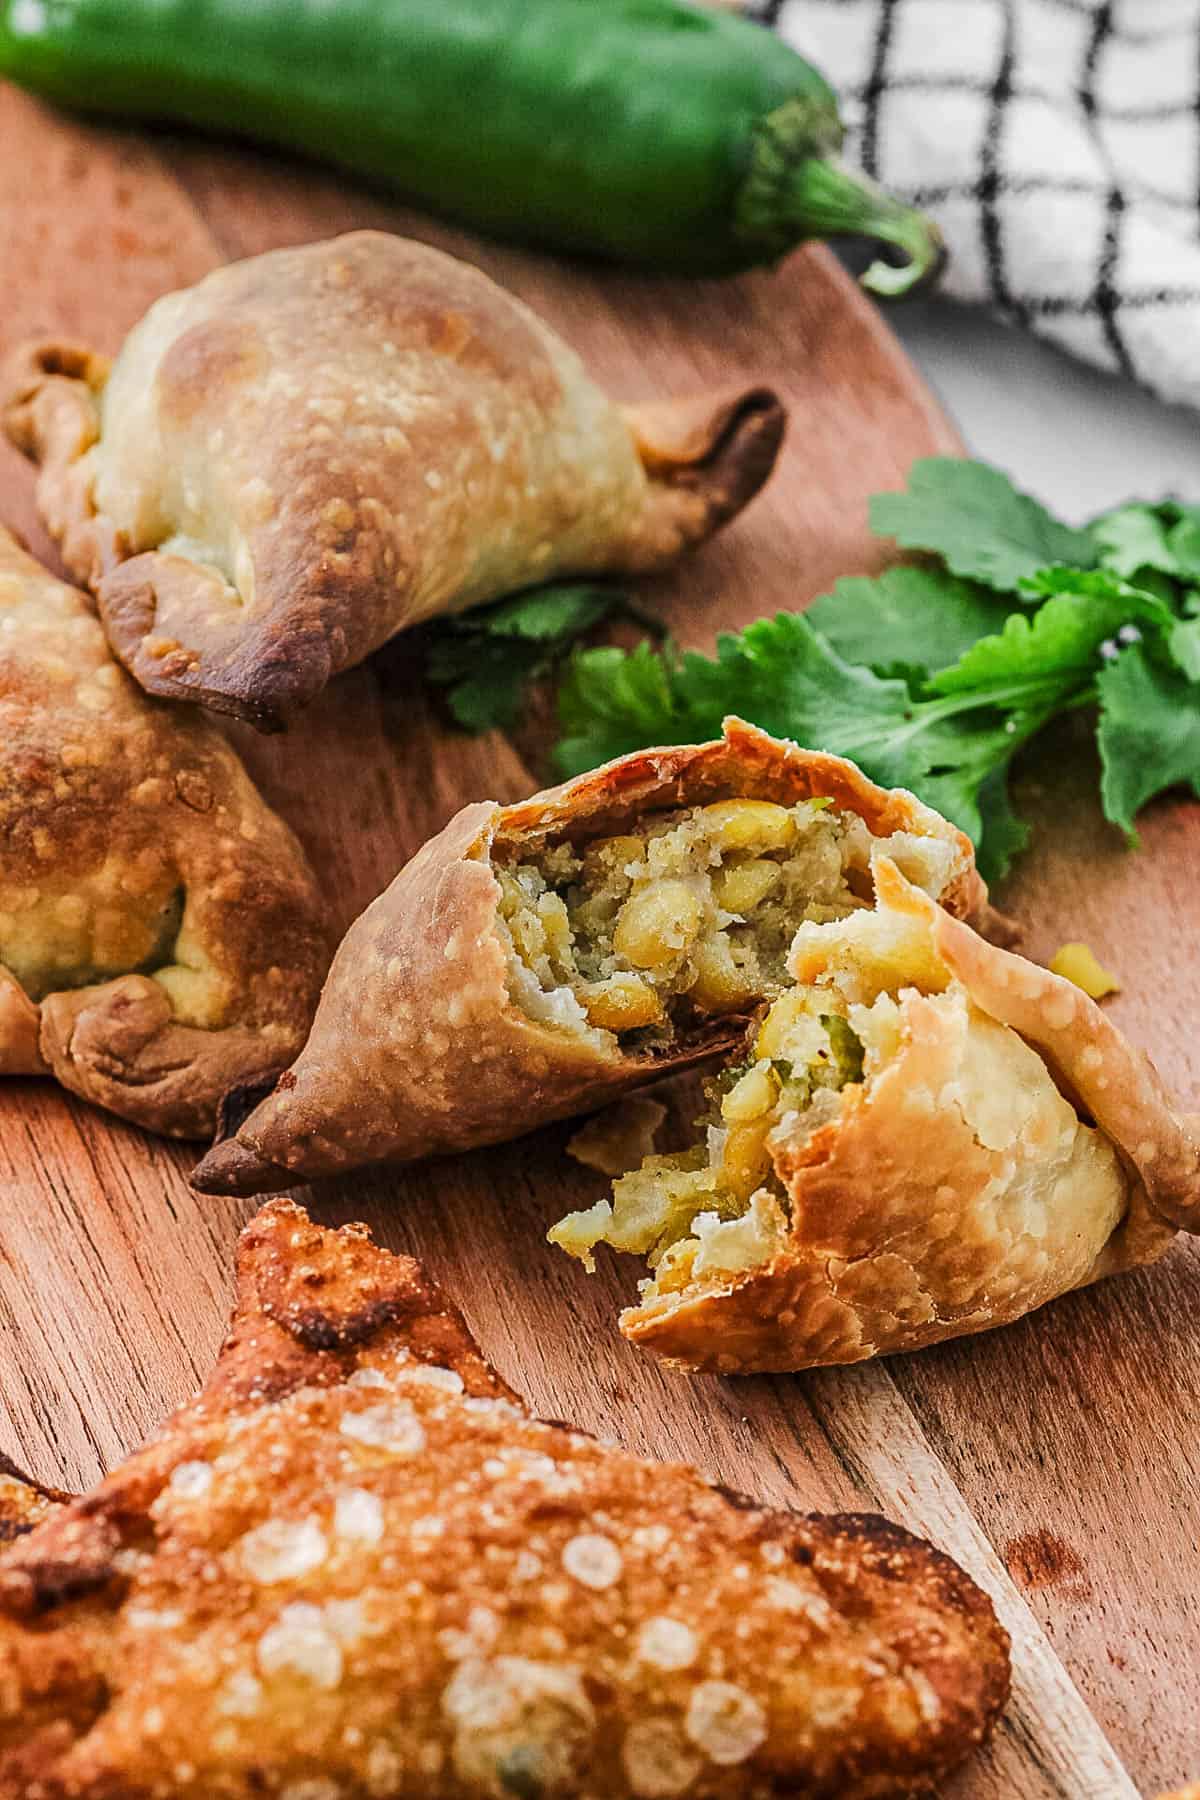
<point>796,189</point>
<point>840,202</point>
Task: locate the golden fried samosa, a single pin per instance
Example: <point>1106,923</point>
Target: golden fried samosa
<point>161,936</point>
<point>925,1136</point>
<point>536,960</point>
<point>24,1503</point>
<point>355,1565</point>
<point>309,451</point>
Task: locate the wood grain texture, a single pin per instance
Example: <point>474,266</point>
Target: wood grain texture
<point>1057,1459</point>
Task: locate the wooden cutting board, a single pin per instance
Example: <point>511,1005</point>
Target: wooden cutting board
<point>1058,1459</point>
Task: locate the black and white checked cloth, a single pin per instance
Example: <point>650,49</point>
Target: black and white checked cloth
<point>1056,142</point>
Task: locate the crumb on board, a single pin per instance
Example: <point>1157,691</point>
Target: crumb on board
<point>1079,964</point>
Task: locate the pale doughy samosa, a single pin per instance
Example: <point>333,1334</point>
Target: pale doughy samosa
<point>309,451</point>
<point>533,961</point>
<point>356,1566</point>
<point>161,935</point>
<point>925,1136</point>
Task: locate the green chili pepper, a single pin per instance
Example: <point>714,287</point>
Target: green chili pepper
<point>650,131</point>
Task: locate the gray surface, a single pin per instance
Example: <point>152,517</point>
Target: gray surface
<point>1077,439</point>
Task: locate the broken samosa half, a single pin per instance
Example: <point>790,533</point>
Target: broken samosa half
<point>312,450</point>
<point>355,1565</point>
<point>925,1136</point>
<point>533,961</point>
<point>161,936</point>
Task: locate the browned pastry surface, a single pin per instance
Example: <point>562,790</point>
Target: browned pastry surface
<point>23,1502</point>
<point>311,450</point>
<point>161,937</point>
<point>418,1046</point>
<point>957,1187</point>
<point>355,1568</point>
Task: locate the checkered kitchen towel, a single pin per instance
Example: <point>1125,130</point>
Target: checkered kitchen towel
<point>1056,142</point>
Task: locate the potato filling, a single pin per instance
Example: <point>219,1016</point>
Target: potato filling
<point>704,1213</point>
<point>69,936</point>
<point>718,1206</point>
<point>875,1033</point>
<point>701,912</point>
<point>120,919</point>
<point>688,915</point>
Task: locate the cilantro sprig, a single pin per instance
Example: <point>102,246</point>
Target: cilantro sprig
<point>933,677</point>
<point>486,659</point>
<point>930,677</point>
<point>973,517</point>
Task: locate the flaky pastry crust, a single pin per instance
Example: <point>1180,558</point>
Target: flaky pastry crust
<point>941,1200</point>
<point>24,1502</point>
<point>356,1567</point>
<point>311,450</point>
<point>418,1047</point>
<point>132,840</point>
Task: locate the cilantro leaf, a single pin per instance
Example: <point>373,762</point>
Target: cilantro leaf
<point>905,621</point>
<point>484,678</point>
<point>1095,584</point>
<point>1043,658</point>
<point>612,701</point>
<point>1005,834</point>
<point>1183,647</point>
<point>1138,612</point>
<point>542,615</point>
<point>953,745</point>
<point>779,673</point>
<point>933,677</point>
<point>1184,542</point>
<point>981,526</point>
<point>486,658</point>
<point>968,756</point>
<point>784,676</point>
<point>1149,734</point>
<point>1134,537</point>
<point>795,685</point>
<point>1138,540</point>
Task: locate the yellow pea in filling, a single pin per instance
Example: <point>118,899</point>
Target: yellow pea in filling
<point>692,915</point>
<point>717,1207</point>
<point>689,915</point>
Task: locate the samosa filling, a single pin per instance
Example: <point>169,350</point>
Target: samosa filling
<point>705,1213</point>
<point>72,934</point>
<point>126,917</point>
<point>718,1206</point>
<point>688,915</point>
<point>694,914</point>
